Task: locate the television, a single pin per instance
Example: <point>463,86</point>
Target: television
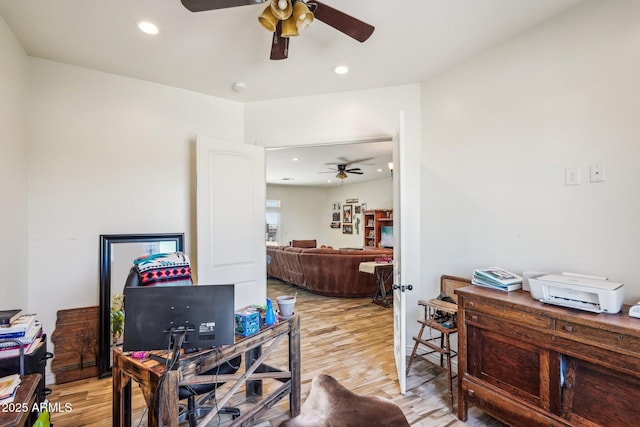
<point>386,236</point>
<point>202,315</point>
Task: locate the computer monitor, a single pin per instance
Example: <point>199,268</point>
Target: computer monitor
<point>205,313</point>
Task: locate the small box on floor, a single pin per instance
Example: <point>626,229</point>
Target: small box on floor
<point>247,322</point>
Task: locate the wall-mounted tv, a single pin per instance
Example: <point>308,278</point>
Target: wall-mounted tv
<point>386,236</point>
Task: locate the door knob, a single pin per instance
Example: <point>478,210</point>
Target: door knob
<point>403,287</point>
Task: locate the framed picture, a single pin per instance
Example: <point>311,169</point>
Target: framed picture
<point>357,209</point>
<point>347,229</point>
<point>347,214</point>
<point>335,216</point>
<point>352,200</point>
<point>336,206</point>
<point>335,224</point>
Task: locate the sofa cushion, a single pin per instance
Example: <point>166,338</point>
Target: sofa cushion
<point>304,243</point>
<point>320,251</point>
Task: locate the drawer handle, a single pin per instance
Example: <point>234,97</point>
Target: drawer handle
<point>471,304</point>
<point>568,328</point>
<point>471,393</point>
<point>474,318</point>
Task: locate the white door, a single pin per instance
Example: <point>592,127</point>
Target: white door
<point>399,310</point>
<point>230,236</point>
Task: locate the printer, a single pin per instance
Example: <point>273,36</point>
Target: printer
<point>595,294</point>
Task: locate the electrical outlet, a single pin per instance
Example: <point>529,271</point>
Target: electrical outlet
<point>572,176</point>
<point>596,172</point>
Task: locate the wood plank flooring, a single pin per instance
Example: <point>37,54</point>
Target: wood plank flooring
<point>348,338</point>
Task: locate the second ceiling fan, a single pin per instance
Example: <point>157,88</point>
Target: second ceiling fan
<point>286,18</point>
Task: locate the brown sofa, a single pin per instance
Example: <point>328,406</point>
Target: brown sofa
<point>325,271</point>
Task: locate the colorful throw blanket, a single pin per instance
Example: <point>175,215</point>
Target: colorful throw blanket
<point>164,267</point>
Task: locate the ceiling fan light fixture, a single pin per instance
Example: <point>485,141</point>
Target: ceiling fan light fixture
<point>342,175</point>
<point>289,27</point>
<point>302,14</point>
<point>282,9</point>
<point>268,19</point>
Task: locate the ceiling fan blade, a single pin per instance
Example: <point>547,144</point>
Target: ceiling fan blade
<point>355,172</point>
<point>347,24</point>
<point>279,44</point>
<point>351,162</point>
<point>202,5</point>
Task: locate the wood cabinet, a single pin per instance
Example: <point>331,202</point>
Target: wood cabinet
<point>373,221</point>
<point>531,364</point>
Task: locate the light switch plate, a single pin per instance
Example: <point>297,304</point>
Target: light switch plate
<point>572,176</point>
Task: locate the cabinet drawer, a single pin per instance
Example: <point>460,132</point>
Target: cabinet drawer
<point>537,321</point>
<point>599,337</point>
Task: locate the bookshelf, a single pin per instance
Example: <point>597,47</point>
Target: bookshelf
<point>373,221</point>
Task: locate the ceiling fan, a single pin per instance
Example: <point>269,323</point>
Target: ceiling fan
<point>343,168</point>
<point>285,18</point>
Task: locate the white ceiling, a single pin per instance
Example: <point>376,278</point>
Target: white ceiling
<point>208,51</point>
<point>315,165</point>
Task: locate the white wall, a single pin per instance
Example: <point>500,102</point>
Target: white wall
<point>13,172</point>
<point>107,155</point>
<point>499,132</point>
<point>377,194</point>
<point>306,212</point>
<point>299,206</point>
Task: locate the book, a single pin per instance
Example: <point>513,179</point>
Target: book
<point>497,276</point>
<point>504,288</point>
<point>8,385</point>
<point>7,317</point>
<point>6,353</point>
<point>30,335</point>
<point>19,327</point>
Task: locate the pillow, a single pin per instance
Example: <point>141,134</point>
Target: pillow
<point>161,268</point>
<point>304,243</point>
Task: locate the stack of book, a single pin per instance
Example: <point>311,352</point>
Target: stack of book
<point>26,330</point>
<point>496,278</point>
<point>8,387</point>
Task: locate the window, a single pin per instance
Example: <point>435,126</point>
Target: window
<point>272,222</point>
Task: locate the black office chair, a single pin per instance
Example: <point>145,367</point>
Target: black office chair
<point>174,269</point>
<point>195,410</point>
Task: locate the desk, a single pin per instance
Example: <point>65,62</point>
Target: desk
<point>24,400</point>
<point>383,272</point>
<point>160,388</point>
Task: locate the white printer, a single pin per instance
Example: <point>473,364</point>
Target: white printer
<point>583,292</point>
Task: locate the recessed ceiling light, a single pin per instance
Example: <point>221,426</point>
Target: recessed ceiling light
<point>341,69</point>
<point>148,27</point>
<point>295,159</point>
<point>378,170</point>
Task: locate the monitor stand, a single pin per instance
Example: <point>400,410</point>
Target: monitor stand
<point>171,361</point>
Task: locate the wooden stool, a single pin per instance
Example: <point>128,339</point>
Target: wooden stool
<point>441,342</point>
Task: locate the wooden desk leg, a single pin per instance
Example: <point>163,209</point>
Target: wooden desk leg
<point>294,366</point>
<point>121,408</point>
<point>253,388</point>
<point>164,410</point>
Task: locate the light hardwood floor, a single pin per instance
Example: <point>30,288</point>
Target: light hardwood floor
<point>348,338</point>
